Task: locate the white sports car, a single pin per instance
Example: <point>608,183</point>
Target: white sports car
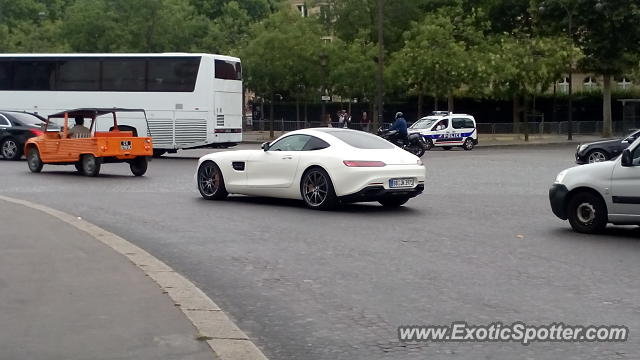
<point>322,166</point>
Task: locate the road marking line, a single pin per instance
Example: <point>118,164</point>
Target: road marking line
<point>222,334</point>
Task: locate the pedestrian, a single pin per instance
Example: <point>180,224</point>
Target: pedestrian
<point>347,120</point>
<point>341,118</point>
<point>365,122</point>
<point>327,121</point>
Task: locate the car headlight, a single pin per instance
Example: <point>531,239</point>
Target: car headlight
<point>582,148</point>
<point>561,176</point>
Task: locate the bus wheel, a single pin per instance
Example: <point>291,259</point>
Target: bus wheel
<point>78,166</point>
<point>90,165</point>
<point>158,153</point>
<point>138,166</point>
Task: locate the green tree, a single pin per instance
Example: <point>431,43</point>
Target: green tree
<point>283,55</point>
<point>608,34</point>
<point>441,56</point>
<point>524,66</point>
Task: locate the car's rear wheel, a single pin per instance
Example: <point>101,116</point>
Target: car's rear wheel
<point>447,147</point>
<point>33,160</point>
<point>468,144</point>
<point>10,149</point>
<point>211,181</point>
<point>317,190</point>
<point>587,213</point>
<point>393,202</point>
<point>597,156</point>
<point>138,166</point>
<point>90,165</point>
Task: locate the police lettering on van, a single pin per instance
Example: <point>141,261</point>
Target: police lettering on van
<point>447,131</point>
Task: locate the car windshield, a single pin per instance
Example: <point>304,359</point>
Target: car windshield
<point>27,119</point>
<point>360,140</point>
<point>424,123</point>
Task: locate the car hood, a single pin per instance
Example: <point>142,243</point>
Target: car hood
<point>603,142</point>
<point>599,170</point>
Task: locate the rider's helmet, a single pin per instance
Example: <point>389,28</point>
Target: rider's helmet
<point>399,114</point>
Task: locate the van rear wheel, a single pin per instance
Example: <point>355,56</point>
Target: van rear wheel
<point>468,144</point>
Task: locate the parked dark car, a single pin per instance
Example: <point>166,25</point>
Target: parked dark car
<point>15,128</point>
<point>604,150</point>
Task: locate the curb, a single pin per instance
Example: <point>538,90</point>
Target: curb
<point>212,324</point>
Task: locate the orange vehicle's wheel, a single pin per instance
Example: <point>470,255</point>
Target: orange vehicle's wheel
<point>138,166</point>
<point>34,161</point>
<point>90,165</point>
<point>78,166</point>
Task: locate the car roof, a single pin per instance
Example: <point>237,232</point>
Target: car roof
<point>9,112</point>
<point>91,112</point>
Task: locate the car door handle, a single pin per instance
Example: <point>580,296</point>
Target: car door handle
<point>287,157</point>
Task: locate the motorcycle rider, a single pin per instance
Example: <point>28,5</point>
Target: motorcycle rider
<point>400,125</point>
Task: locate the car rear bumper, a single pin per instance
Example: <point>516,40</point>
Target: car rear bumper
<point>558,200</point>
<point>375,193</point>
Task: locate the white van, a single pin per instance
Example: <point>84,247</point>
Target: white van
<point>592,195</point>
<point>447,131</point>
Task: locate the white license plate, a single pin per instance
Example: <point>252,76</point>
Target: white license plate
<point>399,183</point>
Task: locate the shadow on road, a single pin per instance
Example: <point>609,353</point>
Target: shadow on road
<point>75,174</point>
<point>626,234</point>
<point>357,208</point>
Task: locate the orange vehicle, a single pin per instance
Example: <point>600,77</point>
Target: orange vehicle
<point>85,147</point>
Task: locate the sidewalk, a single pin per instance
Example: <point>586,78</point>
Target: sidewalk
<point>483,139</point>
<point>65,295</point>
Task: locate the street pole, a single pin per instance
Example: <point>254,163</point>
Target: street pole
<point>380,74</point>
<point>570,100</point>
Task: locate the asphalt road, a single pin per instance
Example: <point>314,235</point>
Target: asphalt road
<point>480,245</point>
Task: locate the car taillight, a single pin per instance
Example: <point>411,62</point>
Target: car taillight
<point>360,163</point>
<point>36,132</point>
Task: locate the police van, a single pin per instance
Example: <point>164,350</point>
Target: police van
<point>447,130</point>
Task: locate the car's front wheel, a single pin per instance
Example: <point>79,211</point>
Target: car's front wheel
<point>317,190</point>
<point>429,144</point>
<point>597,156</point>
<point>587,213</point>
<point>90,165</point>
<point>11,149</point>
<point>394,202</point>
<point>34,161</point>
<point>211,181</point>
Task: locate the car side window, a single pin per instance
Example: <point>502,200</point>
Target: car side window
<point>290,143</point>
<point>636,156</point>
<point>4,122</point>
<point>441,125</point>
<point>315,144</point>
<point>468,123</point>
<point>458,123</point>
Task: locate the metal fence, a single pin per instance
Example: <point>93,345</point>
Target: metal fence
<point>539,127</point>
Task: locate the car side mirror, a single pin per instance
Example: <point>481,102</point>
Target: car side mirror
<point>626,160</point>
<point>265,146</point>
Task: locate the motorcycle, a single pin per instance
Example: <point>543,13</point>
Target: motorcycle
<point>414,143</point>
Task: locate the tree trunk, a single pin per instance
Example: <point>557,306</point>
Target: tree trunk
<point>516,114</point>
<point>450,103</point>
<point>271,120</point>
<point>607,130</point>
<point>420,97</point>
<point>435,103</point>
<point>297,112</point>
<point>525,107</point>
<point>306,119</point>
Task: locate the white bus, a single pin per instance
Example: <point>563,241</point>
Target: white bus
<point>191,100</point>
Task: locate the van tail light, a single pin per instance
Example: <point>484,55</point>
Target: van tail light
<point>36,132</point>
<point>360,163</point>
